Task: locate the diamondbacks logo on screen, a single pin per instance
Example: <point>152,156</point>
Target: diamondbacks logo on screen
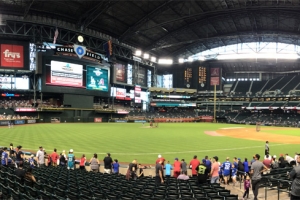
<point>79,50</point>
<point>12,56</point>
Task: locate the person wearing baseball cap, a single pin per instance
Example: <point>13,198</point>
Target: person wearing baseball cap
<point>71,160</point>
<point>177,168</point>
<point>160,158</point>
<point>214,173</point>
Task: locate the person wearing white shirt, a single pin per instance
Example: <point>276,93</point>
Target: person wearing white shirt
<point>289,159</point>
<point>269,157</point>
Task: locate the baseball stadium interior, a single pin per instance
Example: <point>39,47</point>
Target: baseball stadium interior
<point>166,61</point>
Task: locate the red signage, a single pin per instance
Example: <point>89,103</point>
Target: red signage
<point>214,71</point>
<point>98,119</point>
<point>12,56</point>
<point>25,109</point>
<point>214,81</point>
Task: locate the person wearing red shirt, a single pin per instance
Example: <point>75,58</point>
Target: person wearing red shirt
<point>54,158</point>
<point>194,164</point>
<point>176,168</point>
<point>160,158</point>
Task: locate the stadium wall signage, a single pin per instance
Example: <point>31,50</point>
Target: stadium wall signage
<point>3,123</point>
<point>79,51</point>
<point>140,121</point>
<point>12,56</point>
<point>25,109</point>
<point>31,121</point>
<point>19,121</point>
<point>121,121</point>
<point>97,119</point>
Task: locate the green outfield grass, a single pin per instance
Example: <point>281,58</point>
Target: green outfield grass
<point>129,141</point>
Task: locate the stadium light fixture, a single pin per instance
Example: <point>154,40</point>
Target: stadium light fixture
<point>153,59</point>
<point>202,58</point>
<point>250,79</point>
<point>164,61</point>
<point>138,52</point>
<point>146,56</point>
<point>190,59</point>
<point>180,60</point>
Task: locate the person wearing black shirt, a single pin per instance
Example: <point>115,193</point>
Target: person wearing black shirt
<point>107,164</point>
<point>203,172</point>
<point>19,155</point>
<point>158,172</point>
<point>20,172</point>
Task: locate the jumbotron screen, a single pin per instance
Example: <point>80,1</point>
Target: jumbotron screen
<point>15,83</point>
<point>66,74</point>
<point>97,79</point>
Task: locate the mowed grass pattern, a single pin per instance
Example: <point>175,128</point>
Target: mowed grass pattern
<point>131,141</point>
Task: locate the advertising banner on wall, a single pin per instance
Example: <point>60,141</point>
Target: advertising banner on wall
<point>4,123</point>
<point>31,121</point>
<point>142,76</point>
<point>97,79</point>
<point>55,119</point>
<point>214,80</point>
<point>17,83</point>
<point>12,56</point>
<point>137,94</point>
<point>97,119</point>
<point>119,72</point>
<point>19,109</point>
<point>66,74</point>
<point>19,122</point>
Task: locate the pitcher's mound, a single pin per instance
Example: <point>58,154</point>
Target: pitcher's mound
<point>212,133</point>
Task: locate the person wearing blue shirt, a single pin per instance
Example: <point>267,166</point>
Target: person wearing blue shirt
<point>226,166</point>
<point>31,161</point>
<point>71,160</point>
<point>233,174</point>
<point>207,163</point>
<point>116,166</point>
<point>168,168</point>
<point>246,167</point>
<point>235,162</point>
<point>220,174</point>
<point>4,157</point>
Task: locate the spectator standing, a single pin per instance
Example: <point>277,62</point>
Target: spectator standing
<point>82,162</point>
<point>116,167</point>
<point>168,168</point>
<point>4,157</point>
<point>183,166</point>
<point>203,172</point>
<point>207,163</point>
<point>233,174</point>
<point>267,149</point>
<point>253,160</point>
<point>71,160</point>
<point>40,157</point>
<point>54,158</point>
<point>160,158</point>
<point>31,161</point>
<point>19,155</point>
<point>247,186</point>
<point>282,162</point>
<point>295,177</point>
<point>131,171</point>
<point>240,169</point>
<point>194,164</point>
<point>235,162</point>
<point>94,163</point>
<point>226,167</point>
<point>177,168</point>
<point>11,149</point>
<point>159,174</point>
<point>246,167</point>
<point>62,160</point>
<point>290,160</point>
<point>256,169</point>
<point>107,163</point>
<point>214,173</point>
<point>274,163</point>
<point>267,162</point>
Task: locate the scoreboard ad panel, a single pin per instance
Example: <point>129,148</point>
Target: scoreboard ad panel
<point>188,75</point>
<point>97,79</point>
<point>66,74</point>
<point>201,77</point>
<point>119,72</point>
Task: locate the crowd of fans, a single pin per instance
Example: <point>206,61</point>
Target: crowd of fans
<point>204,170</point>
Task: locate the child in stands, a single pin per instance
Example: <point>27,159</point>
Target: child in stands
<point>247,187</point>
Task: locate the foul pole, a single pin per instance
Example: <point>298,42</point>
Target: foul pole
<point>215,101</point>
